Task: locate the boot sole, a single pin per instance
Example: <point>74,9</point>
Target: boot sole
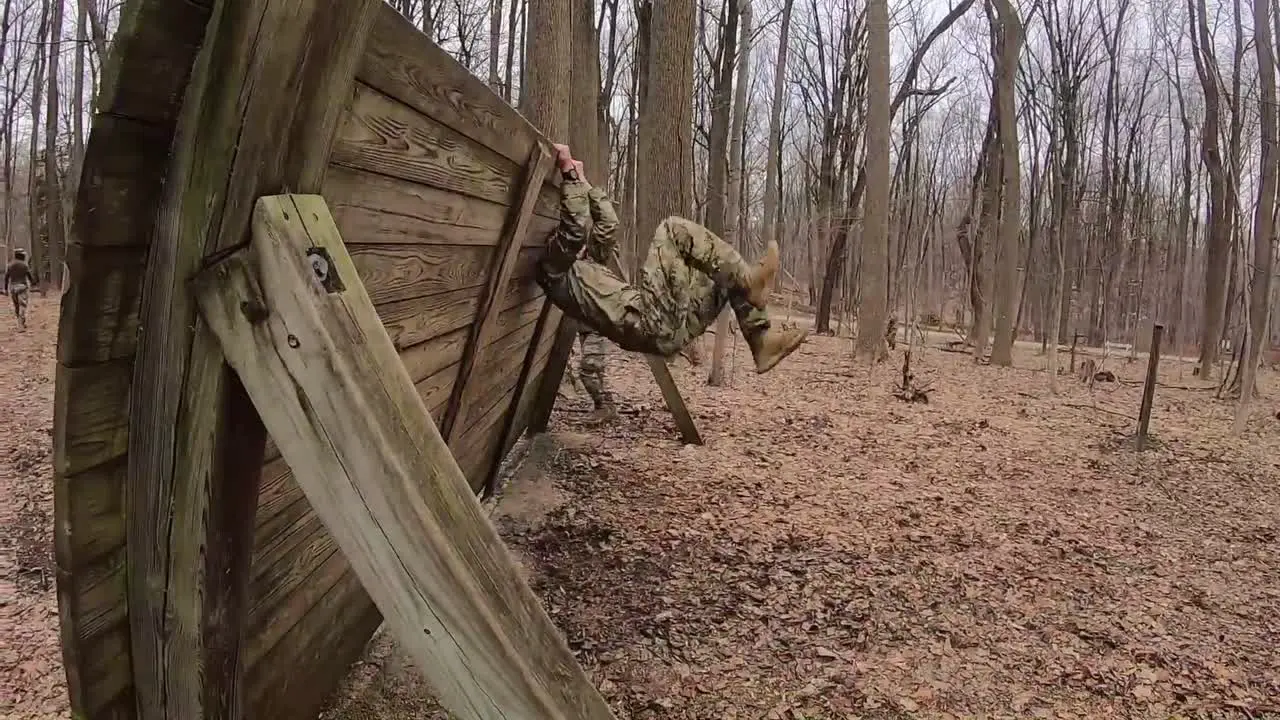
<point>781,357</point>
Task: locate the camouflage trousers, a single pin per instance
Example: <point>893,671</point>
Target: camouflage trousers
<point>689,276</point>
<point>591,367</point>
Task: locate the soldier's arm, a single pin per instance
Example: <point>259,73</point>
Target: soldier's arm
<point>571,234</point>
<point>604,232</point>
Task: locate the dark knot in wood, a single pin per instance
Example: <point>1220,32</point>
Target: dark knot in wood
<point>254,311</point>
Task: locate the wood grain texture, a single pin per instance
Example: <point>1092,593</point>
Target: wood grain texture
<point>376,209</point>
<point>383,136</point>
<point>337,628</point>
<point>330,388</point>
<point>403,64</point>
<point>126,157</point>
<point>404,272</point>
<point>519,413</point>
<point>264,99</point>
<point>91,429</point>
<point>500,273</point>
<point>417,320</point>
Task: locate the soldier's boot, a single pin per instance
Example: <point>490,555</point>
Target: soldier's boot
<point>604,411</point>
<point>769,347</point>
<point>760,280</point>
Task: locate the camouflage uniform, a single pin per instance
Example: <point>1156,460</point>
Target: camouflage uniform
<point>686,280</point>
<point>591,368</point>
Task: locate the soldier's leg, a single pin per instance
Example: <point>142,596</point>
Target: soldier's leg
<point>678,241</point>
<point>592,371</point>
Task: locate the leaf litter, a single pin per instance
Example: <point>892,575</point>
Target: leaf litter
<point>832,552</point>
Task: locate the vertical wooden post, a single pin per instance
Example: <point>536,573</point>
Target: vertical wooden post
<point>1075,338</point>
<point>1149,388</point>
<point>513,234</point>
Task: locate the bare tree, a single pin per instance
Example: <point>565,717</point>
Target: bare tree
<point>718,157</point>
<point>52,183</point>
<point>1264,213</point>
<point>665,120</point>
<point>1010,44</point>
<point>773,164</point>
<point>1220,213</point>
<point>873,300</point>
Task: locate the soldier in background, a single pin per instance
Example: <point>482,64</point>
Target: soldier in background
<point>591,373</point>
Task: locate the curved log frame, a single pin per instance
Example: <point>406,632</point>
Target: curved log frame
<point>204,109</point>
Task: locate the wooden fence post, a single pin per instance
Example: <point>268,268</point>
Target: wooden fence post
<point>1149,388</point>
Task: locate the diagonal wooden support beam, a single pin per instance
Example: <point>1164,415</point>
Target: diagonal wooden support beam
<point>513,234</point>
<point>298,327</point>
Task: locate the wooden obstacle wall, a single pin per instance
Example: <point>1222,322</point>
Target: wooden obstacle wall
<point>423,172</point>
<point>422,210</point>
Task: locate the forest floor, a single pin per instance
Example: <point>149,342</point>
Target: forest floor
<point>834,552</point>
<point>831,551</point>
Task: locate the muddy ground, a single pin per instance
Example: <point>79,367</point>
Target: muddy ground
<point>831,552</point>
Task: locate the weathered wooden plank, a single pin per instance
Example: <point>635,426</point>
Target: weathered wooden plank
<point>498,375</point>
<point>277,585</point>
<point>282,607</point>
<point>412,322</point>
<point>153,49</point>
<point>376,209</point>
<point>331,637</point>
<point>92,428</point>
<point>279,551</point>
<point>276,491</point>
<point>92,521</point>
<point>402,63</point>
<point>259,114</point>
<point>504,264</point>
<point>404,272</point>
<point>517,415</point>
<point>102,591</point>
<point>436,387</point>
<point>98,318</point>
<point>383,136</point>
<point>544,403</point>
<point>421,544</point>
<point>143,85</point>
<point>109,681</point>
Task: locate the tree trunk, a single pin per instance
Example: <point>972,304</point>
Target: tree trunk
<point>548,68</point>
<point>665,152</point>
<point>873,300</point>
<point>584,91</point>
<point>495,42</point>
<point>53,192</point>
<point>512,23</point>
<point>1218,251</point>
<point>1263,217</point>
<point>37,255</point>
<point>718,159</point>
<point>734,199</point>
<point>773,164</point>
<point>11,101</point>
<point>1010,216</point>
